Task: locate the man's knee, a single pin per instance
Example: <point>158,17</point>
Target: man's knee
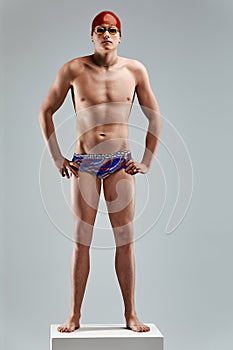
<point>83,232</point>
<point>81,248</point>
<point>126,248</point>
<point>123,234</point>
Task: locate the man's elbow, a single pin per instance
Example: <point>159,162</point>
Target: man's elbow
<point>155,124</point>
<point>45,113</point>
<point>159,121</point>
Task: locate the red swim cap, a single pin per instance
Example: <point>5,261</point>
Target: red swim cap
<point>106,17</point>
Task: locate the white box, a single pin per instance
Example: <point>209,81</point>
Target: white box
<point>106,337</point>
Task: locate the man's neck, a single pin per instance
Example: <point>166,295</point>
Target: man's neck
<point>105,60</point>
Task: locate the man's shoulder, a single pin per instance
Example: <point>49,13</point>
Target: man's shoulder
<point>77,61</point>
<point>74,67</point>
<point>133,64</point>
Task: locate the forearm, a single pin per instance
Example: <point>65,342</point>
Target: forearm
<point>152,139</point>
<point>48,131</point>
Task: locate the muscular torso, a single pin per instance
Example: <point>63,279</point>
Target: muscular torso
<point>103,98</point>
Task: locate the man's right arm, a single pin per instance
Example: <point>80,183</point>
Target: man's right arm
<point>52,102</point>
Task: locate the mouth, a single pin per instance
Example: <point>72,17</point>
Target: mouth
<point>106,41</point>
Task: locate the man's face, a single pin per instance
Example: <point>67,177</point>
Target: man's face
<point>106,37</point>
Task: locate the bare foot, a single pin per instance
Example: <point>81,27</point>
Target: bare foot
<point>70,325</point>
<point>133,323</point>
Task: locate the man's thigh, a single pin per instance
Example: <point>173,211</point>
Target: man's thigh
<point>85,193</point>
<point>119,193</point>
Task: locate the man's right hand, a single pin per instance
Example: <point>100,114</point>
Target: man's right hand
<point>65,167</point>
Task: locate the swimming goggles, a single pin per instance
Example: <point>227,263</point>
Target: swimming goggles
<point>101,30</point>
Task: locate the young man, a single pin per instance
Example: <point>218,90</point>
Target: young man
<point>103,87</point>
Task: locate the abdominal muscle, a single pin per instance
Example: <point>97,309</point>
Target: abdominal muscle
<point>103,139</point>
<point>102,129</point>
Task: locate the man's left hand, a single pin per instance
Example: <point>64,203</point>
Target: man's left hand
<point>134,167</point>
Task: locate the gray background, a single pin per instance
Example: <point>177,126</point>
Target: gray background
<point>184,280</point>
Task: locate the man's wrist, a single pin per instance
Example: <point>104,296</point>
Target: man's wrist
<point>145,166</point>
<point>58,161</point>
<point>146,163</point>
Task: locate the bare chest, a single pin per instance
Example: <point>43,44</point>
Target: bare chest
<point>94,86</point>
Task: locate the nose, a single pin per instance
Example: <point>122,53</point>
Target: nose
<point>106,34</point>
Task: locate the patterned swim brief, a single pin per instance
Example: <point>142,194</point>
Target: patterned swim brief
<point>102,164</point>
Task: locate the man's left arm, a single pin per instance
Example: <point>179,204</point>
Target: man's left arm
<point>150,108</point>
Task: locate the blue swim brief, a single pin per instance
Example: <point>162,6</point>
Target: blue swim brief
<point>102,164</point>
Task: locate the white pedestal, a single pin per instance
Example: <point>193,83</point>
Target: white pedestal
<point>105,337</point>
